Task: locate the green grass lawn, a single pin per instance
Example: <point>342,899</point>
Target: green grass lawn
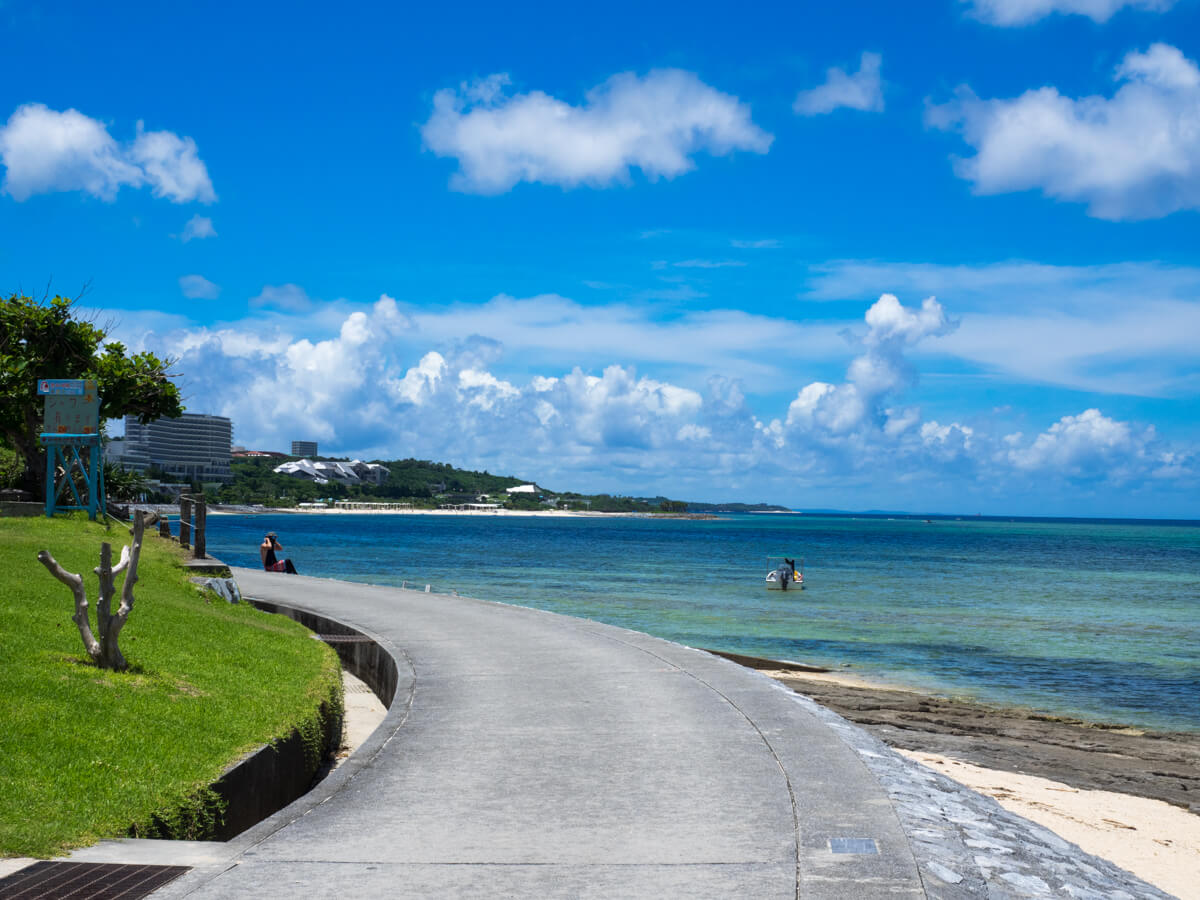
<point>87,754</point>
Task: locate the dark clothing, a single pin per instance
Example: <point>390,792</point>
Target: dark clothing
<point>271,563</point>
<point>784,574</point>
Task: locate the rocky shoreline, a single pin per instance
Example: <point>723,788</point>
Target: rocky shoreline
<point>1088,756</point>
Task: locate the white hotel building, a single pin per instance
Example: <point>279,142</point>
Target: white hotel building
<point>191,448</point>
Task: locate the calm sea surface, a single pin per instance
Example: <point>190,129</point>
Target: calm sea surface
<point>1099,620</point>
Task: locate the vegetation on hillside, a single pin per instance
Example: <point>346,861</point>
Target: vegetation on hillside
<point>420,482</point>
<point>87,753</point>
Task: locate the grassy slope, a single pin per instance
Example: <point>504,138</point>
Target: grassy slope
<point>86,754</point>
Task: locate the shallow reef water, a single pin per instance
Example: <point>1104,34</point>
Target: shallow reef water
<point>1094,619</point>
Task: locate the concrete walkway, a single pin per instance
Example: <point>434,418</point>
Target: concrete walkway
<point>531,754</point>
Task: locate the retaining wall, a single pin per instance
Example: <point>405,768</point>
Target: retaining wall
<point>276,774</point>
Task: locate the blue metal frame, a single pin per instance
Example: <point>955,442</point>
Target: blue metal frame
<point>66,449</point>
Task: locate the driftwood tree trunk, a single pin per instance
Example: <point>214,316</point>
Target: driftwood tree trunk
<point>104,650</point>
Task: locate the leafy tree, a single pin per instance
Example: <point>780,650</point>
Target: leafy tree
<point>126,485</point>
<point>45,340</point>
<point>11,468</point>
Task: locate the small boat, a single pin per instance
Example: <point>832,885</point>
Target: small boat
<point>783,574</point>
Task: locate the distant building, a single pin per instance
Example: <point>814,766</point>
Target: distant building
<point>523,489</point>
<point>353,472</point>
<point>243,453</point>
<point>304,448</point>
<point>192,447</point>
<point>114,448</point>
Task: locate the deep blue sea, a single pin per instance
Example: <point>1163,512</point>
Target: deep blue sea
<point>1094,619</point>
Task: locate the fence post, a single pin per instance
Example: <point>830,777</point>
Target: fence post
<point>185,522</point>
<point>200,550</point>
<point>164,527</point>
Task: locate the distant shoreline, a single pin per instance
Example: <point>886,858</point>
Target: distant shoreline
<point>928,518</point>
<point>233,510</point>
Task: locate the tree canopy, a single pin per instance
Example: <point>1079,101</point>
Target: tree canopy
<point>45,339</point>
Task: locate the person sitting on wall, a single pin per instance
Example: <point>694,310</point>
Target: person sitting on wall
<point>270,562</point>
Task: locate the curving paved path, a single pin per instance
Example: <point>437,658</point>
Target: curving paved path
<point>532,754</point>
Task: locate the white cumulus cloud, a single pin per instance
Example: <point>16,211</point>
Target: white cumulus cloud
<point>874,376</point>
<point>1024,12</point>
<point>1135,155</point>
<point>862,90</point>
<point>171,165</point>
<point>655,123</point>
<point>1117,328</point>
<point>1089,444</point>
<point>365,386</point>
<point>44,150</point>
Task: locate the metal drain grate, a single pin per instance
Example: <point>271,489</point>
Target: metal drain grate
<point>86,881</point>
<point>852,845</point>
<point>345,639</point>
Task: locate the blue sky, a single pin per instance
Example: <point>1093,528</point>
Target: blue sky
<point>679,251</point>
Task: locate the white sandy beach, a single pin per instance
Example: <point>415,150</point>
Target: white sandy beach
<point>1154,840</point>
<point>1157,841</point>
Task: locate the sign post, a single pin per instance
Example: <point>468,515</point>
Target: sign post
<point>71,435</point>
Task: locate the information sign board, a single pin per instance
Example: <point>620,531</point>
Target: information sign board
<point>71,387</point>
<point>72,413</point>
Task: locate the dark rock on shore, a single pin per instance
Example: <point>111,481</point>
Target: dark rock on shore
<point>1088,756</point>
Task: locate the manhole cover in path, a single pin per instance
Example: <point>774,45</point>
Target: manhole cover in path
<point>86,881</point>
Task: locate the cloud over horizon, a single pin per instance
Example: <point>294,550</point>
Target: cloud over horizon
<point>1070,326</point>
<point>655,123</point>
<point>360,391</point>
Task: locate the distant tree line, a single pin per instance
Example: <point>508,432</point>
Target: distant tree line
<point>420,482</point>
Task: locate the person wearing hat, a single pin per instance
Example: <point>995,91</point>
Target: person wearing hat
<point>267,551</point>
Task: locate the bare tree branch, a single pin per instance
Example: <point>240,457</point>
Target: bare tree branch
<point>75,583</point>
<point>120,567</point>
<point>106,652</point>
<point>107,589</point>
<point>128,558</point>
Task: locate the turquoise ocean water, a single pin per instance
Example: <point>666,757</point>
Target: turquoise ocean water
<point>1095,619</point>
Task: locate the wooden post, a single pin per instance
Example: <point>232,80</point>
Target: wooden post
<point>164,528</point>
<point>200,550</point>
<point>185,522</point>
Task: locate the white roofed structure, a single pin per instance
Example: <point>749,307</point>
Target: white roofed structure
<point>353,472</point>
